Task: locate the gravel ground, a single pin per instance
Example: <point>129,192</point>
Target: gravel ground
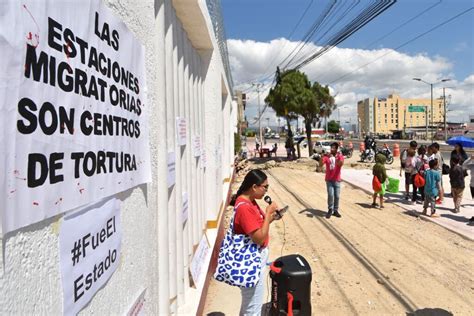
<point>370,261</point>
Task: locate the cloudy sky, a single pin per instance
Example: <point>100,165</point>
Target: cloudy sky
<point>380,59</point>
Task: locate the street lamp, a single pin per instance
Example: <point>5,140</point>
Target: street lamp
<point>259,86</point>
<point>431,84</point>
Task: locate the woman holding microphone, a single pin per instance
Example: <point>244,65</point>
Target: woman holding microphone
<point>249,229</point>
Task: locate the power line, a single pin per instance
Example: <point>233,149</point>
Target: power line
<point>280,51</point>
<point>316,40</point>
<point>360,21</point>
<point>310,32</point>
<point>396,29</point>
<point>289,36</point>
<point>405,43</point>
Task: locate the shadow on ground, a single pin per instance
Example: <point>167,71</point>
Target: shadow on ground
<point>365,205</point>
<point>310,212</point>
<point>457,218</point>
<point>430,312</point>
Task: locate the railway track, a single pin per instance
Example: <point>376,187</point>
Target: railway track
<point>359,266</point>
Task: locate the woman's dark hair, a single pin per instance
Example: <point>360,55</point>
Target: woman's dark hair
<point>461,149</point>
<point>422,150</point>
<point>255,176</point>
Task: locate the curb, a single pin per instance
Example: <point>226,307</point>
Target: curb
<point>428,219</point>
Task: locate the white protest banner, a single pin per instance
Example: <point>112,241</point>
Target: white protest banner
<point>184,209</point>
<point>74,125</point>
<point>199,260</point>
<point>90,241</point>
<point>171,161</point>
<point>197,146</point>
<point>181,131</point>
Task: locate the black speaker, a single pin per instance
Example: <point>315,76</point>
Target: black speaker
<point>291,286</point>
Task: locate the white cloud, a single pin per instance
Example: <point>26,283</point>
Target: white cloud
<point>387,72</point>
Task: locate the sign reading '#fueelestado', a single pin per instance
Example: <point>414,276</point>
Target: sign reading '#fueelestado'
<point>90,241</point>
<point>73,127</point>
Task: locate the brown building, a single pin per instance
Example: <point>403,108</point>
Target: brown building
<point>241,103</point>
<point>385,115</point>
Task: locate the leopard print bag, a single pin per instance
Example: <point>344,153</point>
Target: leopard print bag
<point>239,262</point>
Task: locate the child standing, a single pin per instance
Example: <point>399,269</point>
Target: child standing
<point>421,164</point>
<point>410,171</point>
<point>469,165</point>
<point>379,172</point>
<point>456,178</point>
<point>432,187</point>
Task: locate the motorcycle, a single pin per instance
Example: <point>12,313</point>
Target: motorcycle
<point>367,155</point>
<point>387,153</point>
<point>347,152</point>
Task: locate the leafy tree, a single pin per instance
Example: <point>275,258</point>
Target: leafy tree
<point>319,105</point>
<point>291,92</point>
<point>333,127</point>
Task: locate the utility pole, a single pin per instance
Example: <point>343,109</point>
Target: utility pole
<point>431,111</point>
<point>259,85</point>
<point>404,122</point>
<point>431,86</point>
<point>426,118</point>
<point>445,113</point>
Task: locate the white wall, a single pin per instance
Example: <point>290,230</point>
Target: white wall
<point>183,79</point>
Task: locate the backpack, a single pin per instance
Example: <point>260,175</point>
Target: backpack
<point>419,181</point>
<point>403,157</point>
<point>445,168</point>
<point>376,185</point>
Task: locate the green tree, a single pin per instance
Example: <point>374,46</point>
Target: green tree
<point>333,127</point>
<point>291,91</point>
<point>319,105</point>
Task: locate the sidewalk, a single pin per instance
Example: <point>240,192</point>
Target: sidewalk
<point>456,222</point>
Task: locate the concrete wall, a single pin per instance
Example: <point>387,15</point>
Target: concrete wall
<point>185,77</point>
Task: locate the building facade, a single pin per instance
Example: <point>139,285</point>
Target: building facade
<point>365,113</point>
<point>386,115</point>
<point>187,77</point>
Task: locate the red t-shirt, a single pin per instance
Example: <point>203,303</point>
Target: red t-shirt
<point>248,218</point>
<point>333,173</point>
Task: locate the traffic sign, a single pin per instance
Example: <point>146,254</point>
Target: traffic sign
<point>416,108</point>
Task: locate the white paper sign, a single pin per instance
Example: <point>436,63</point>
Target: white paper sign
<point>90,242</point>
<point>203,159</point>
<point>197,146</point>
<point>199,260</point>
<point>184,209</point>
<point>181,131</point>
<point>171,169</point>
<point>74,125</point>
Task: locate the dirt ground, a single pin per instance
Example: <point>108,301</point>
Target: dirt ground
<point>370,261</point>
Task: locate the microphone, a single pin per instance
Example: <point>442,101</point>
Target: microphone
<point>268,199</point>
<point>279,212</point>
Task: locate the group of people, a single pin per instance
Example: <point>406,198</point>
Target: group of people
<point>423,168</point>
<point>250,221</point>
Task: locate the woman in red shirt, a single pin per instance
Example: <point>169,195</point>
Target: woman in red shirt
<point>249,219</point>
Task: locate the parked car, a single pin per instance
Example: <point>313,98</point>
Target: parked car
<point>321,147</point>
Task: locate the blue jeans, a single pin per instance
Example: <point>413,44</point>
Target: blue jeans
<point>334,190</point>
<point>252,297</point>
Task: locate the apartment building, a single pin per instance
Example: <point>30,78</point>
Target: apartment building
<point>385,115</point>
